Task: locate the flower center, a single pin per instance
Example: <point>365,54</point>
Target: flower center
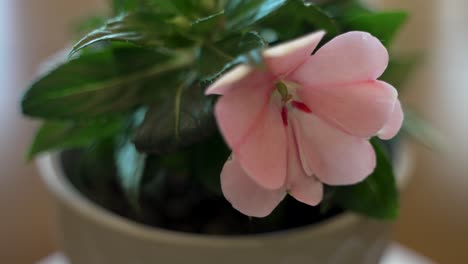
<point>289,101</point>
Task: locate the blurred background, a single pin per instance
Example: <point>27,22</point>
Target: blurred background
<point>434,217</point>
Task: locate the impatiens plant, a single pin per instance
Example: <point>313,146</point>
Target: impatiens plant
<point>169,104</point>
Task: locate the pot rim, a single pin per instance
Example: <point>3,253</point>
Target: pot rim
<point>53,175</point>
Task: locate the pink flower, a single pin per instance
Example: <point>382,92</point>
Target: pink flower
<point>304,120</point>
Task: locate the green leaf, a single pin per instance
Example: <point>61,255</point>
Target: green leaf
<point>295,26</point>
<point>68,134</point>
<point>125,6</point>
<point>185,7</point>
<point>109,81</point>
<point>242,13</point>
<point>183,118</point>
<point>377,196</point>
<point>140,28</point>
<point>400,69</point>
<point>92,171</point>
<point>216,58</point>
<point>207,159</point>
<point>420,129</point>
<point>353,15</point>
<point>307,18</point>
<point>319,18</point>
<point>345,8</point>
<point>208,25</point>
<point>121,6</point>
<point>130,168</point>
<point>87,24</point>
<point>383,25</point>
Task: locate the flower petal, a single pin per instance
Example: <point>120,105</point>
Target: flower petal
<point>241,108</point>
<point>335,157</point>
<point>234,78</point>
<point>263,154</point>
<point>360,109</point>
<point>393,126</point>
<point>348,58</point>
<point>304,188</point>
<point>253,128</point>
<point>245,195</point>
<point>286,57</point>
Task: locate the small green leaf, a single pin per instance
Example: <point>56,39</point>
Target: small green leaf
<point>161,6</point>
<point>92,171</point>
<point>207,159</point>
<point>377,196</point>
<point>383,25</point>
<point>69,134</point>
<point>354,15</point>
<point>183,118</point>
<point>208,25</point>
<point>307,18</point>
<point>420,129</point>
<point>130,168</point>
<point>319,18</point>
<point>345,8</point>
<point>141,28</point>
<point>187,8</point>
<point>87,24</point>
<point>216,58</point>
<point>400,69</point>
<point>242,13</point>
<point>121,6</point>
<point>108,81</point>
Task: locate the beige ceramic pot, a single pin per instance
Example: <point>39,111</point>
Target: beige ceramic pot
<point>92,235</point>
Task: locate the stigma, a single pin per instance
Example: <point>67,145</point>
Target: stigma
<point>289,101</point>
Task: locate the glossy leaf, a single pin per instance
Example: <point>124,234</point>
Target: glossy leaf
<point>87,24</point>
<point>320,19</point>
<point>208,25</point>
<point>353,15</point>
<point>345,8</point>
<point>161,6</point>
<point>185,7</point>
<point>130,168</point>
<point>382,25</point>
<point>109,81</point>
<point>421,130</point>
<point>183,118</point>
<point>68,134</point>
<point>92,171</point>
<point>121,6</point>
<point>377,196</point>
<point>207,159</point>
<point>400,69</point>
<point>243,13</point>
<point>218,57</point>
<point>141,28</point>
<point>295,26</point>
<point>308,17</point>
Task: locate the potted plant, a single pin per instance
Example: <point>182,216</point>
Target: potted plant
<point>224,131</point>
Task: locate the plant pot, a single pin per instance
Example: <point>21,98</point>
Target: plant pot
<point>92,235</point>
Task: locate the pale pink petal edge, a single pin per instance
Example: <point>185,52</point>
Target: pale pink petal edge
<point>229,79</point>
<point>393,126</point>
<point>348,58</point>
<point>286,57</point>
<point>336,158</point>
<point>245,195</point>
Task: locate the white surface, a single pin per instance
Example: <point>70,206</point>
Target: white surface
<point>396,254</point>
